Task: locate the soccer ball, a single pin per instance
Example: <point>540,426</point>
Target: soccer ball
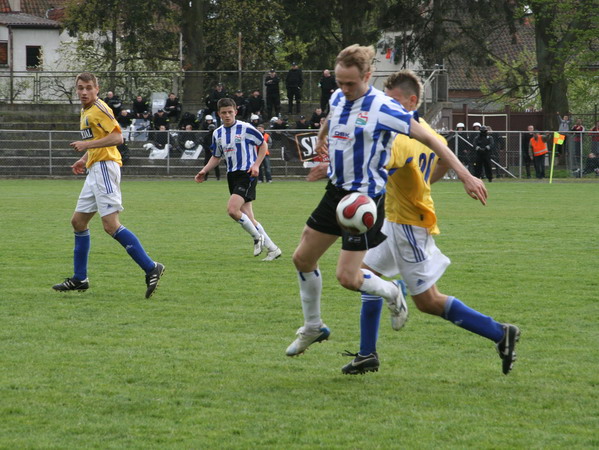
<point>356,213</point>
<point>189,144</point>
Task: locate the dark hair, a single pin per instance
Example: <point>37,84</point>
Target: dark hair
<point>224,102</point>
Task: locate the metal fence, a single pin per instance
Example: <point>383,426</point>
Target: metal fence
<point>26,153</point>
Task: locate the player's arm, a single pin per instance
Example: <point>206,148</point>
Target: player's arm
<point>211,164</point>
<point>441,169</point>
<point>318,172</point>
<point>79,166</point>
<point>321,141</point>
<point>112,139</point>
<point>474,187</point>
<point>255,168</point>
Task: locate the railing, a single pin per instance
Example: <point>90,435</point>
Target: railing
<point>47,153</point>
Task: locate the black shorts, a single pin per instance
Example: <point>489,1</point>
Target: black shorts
<point>324,219</point>
<point>241,183</point>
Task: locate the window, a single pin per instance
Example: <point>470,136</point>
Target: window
<point>34,57</point>
<point>3,53</point>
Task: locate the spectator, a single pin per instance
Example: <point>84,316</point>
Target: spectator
<point>139,106</point>
<point>159,140</point>
<point>595,139</point>
<point>277,123</point>
<point>576,154</point>
<point>207,142</point>
<point>255,120</point>
<point>294,82</point>
<point>273,96</point>
<point>564,125</point>
<point>208,120</point>
<point>315,119</point>
<point>458,142</point>
<point>124,119</point>
<point>498,144</point>
<point>212,100</point>
<point>147,117</point>
<point>302,124</point>
<point>327,85</point>
<point>242,104</point>
<point>265,166</point>
<point>256,104</point>
<point>483,145</point>
<point>187,139</point>
<point>525,143</point>
<point>592,164</point>
<point>173,107</point>
<point>114,102</point>
<point>188,118</point>
<point>537,149</point>
<point>160,118</point>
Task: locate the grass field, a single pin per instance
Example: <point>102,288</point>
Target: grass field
<point>202,364</point>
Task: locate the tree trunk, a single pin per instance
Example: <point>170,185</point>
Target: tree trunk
<point>553,85</point>
<point>192,33</point>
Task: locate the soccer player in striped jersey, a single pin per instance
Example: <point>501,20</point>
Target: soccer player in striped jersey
<point>359,129</point>
<point>410,249</point>
<point>100,134</point>
<point>236,141</point>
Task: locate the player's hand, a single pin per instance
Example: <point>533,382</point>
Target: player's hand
<point>79,167</point>
<point>80,146</point>
<point>322,147</point>
<point>254,170</point>
<point>318,172</point>
<point>200,177</point>
<point>476,189</point>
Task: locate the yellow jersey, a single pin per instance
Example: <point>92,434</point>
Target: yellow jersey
<point>408,199</point>
<point>97,122</point>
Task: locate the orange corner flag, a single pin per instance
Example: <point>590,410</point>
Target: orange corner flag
<point>558,138</point>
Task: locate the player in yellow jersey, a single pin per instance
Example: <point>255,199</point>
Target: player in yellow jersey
<point>410,249</point>
<point>100,134</point>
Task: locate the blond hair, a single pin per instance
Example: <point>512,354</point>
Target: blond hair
<point>358,56</point>
<point>87,77</point>
<point>408,82</point>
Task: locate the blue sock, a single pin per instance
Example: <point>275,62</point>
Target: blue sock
<point>471,320</point>
<point>370,318</point>
<point>128,240</point>
<point>82,246</point>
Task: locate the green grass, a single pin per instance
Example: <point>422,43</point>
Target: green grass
<point>202,364</point>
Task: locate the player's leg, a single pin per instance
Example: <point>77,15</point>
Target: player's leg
<point>237,208</point>
<point>312,246</point>
<point>274,252</point>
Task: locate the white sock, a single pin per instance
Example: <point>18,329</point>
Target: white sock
<point>248,226</point>
<point>270,245</point>
<point>377,286</point>
<point>310,284</point>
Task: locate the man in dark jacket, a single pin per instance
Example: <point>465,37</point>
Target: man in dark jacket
<point>327,85</point>
<point>273,96</point>
<point>114,102</point>
<point>294,82</point>
<point>173,107</point>
<point>483,145</point>
<point>213,98</point>
<point>256,104</point>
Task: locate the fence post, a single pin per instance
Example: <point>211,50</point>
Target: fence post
<point>50,152</point>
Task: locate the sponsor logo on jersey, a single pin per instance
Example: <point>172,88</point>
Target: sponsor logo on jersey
<point>237,138</point>
<point>341,135</point>
<point>230,149</point>
<point>362,119</point>
<point>86,133</point>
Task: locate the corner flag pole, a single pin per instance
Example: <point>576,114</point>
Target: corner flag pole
<point>552,161</point>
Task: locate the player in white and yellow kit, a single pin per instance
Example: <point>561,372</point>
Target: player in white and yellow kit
<point>100,134</point>
<point>410,250</point>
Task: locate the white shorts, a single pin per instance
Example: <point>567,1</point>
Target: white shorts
<point>102,189</point>
<point>410,251</point>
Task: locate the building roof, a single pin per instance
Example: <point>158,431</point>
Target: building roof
<point>48,9</point>
<point>466,77</point>
<point>21,20</point>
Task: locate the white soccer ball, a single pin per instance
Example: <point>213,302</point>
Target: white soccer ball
<point>356,213</point>
<point>189,144</point>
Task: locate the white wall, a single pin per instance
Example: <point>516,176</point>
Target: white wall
<point>48,40</point>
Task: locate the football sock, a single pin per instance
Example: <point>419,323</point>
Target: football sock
<point>471,320</point>
<point>377,286</point>
<point>310,284</point>
<point>370,318</point>
<point>248,226</point>
<point>270,245</point>
<point>128,240</point>
<point>80,254</point>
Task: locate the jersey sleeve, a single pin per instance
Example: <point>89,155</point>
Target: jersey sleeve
<point>216,151</point>
<point>254,136</point>
<point>394,117</point>
<point>105,120</point>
